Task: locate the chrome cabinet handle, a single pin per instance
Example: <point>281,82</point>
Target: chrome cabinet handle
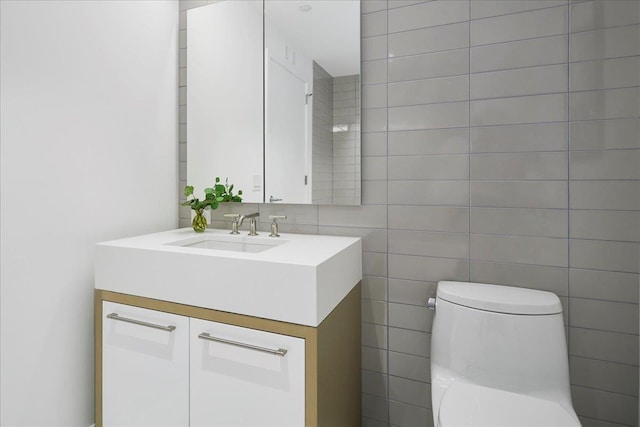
<point>279,352</point>
<point>115,316</point>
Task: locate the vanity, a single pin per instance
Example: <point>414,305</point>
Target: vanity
<point>196,329</point>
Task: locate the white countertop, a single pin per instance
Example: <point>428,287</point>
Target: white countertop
<point>299,281</point>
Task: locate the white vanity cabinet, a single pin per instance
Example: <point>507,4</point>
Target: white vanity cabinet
<point>299,294</point>
<point>145,367</point>
<point>160,363</point>
<point>244,377</point>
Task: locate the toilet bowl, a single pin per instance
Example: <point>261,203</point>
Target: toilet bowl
<point>473,405</point>
<point>499,358</point>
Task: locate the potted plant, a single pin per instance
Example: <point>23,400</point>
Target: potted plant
<point>212,197</point>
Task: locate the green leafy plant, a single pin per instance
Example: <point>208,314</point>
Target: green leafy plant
<point>212,197</point>
<point>226,191</point>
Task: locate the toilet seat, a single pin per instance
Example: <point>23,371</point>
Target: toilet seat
<point>470,405</point>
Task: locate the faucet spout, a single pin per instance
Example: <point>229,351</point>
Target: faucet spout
<point>252,216</point>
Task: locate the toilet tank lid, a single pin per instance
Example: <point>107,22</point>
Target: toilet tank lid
<point>500,299</point>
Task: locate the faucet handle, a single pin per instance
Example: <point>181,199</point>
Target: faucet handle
<point>274,224</point>
<point>234,225</point>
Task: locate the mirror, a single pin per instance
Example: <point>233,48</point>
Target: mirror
<point>273,99</point>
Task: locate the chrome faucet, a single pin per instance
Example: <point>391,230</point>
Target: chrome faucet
<point>252,224</point>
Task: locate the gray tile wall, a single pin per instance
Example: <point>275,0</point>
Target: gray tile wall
<point>506,150</point>
<point>604,216</point>
<point>322,140</point>
<point>346,145</point>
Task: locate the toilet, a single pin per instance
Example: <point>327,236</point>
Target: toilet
<point>499,358</point>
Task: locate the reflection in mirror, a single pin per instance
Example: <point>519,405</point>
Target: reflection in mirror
<point>312,101</point>
<point>295,138</point>
<point>224,96</point>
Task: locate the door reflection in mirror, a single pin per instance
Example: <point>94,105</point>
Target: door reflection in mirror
<point>297,138</point>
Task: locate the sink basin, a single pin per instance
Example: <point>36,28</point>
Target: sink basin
<point>295,278</point>
<point>230,243</point>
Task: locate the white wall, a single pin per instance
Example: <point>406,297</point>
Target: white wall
<point>224,90</point>
<point>88,153</point>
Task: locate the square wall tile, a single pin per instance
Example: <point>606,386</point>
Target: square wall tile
<point>520,138</point>
<point>374,287</point>
<point>605,255</point>
<point>606,376</point>
<point>522,81</point>
<point>519,54</point>
<point>605,165</point>
<point>543,278</point>
<point>602,345</point>
<point>429,91</point>
<point>605,134</point>
<point>605,225</point>
<point>605,74</point>
<point>431,116</point>
<point>519,249</point>
<point>428,269</point>
<point>374,72</point>
<point>374,383</point>
<point>409,366</point>
<point>521,222</point>
<point>435,167</point>
<point>519,166</point>
<point>519,194</point>
<point>519,26</point>
<point>605,406</point>
<point>428,14</point>
<point>430,65</point>
<point>605,104</point>
<point>370,6</point>
<point>374,359</point>
<point>413,317</point>
<point>429,243</point>
<point>374,48</point>
<point>449,193</point>
<point>488,8</point>
<point>429,218</point>
<point>603,44</point>
<point>595,15</point>
<point>404,415</point>
<point>409,391</point>
<point>519,110</point>
<point>604,285</point>
<point>375,407</point>
<point>426,40</point>
<point>432,141</point>
<point>604,315</point>
<point>409,342</point>
<point>374,24</point>
<point>374,335</point>
<point>374,312</point>
<point>608,195</point>
<point>411,292</point>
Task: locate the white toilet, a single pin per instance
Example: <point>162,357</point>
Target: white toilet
<point>499,358</point>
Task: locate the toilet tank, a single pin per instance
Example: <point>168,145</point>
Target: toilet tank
<point>501,337</point>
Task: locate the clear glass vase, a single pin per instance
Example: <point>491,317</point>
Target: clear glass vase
<point>199,222</point>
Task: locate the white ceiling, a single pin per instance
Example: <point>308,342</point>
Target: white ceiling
<point>329,33</point>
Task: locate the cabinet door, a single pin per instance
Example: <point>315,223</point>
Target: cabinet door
<point>235,385</point>
<point>145,369</point>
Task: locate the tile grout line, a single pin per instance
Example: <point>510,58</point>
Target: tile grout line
<point>568,175</point>
<point>469,148</point>
<point>388,389</point>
